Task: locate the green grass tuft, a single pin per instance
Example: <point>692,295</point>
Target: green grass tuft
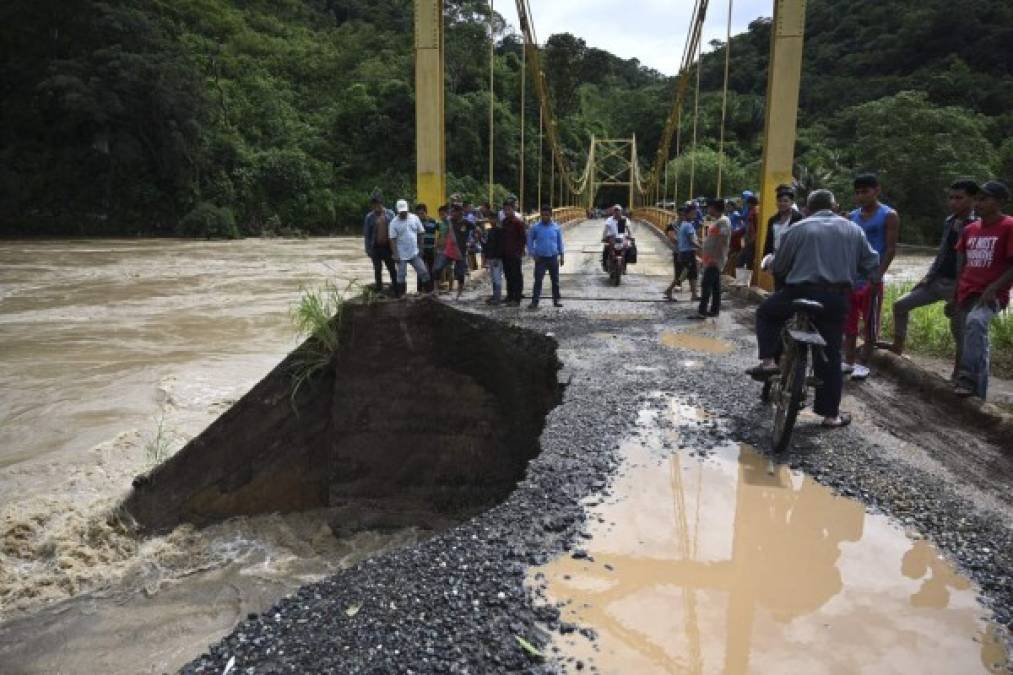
<point>318,316</point>
<point>157,447</point>
<point>929,331</point>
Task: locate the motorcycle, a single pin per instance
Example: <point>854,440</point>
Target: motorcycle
<point>618,257</point>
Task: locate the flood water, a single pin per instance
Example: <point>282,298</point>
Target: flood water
<point>728,564</point>
<point>110,349</point>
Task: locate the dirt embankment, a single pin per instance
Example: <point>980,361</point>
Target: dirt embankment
<point>423,415</point>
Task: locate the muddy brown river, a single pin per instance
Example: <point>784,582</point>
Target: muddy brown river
<point>115,353</point>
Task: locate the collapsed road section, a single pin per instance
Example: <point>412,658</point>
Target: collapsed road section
<point>421,416</point>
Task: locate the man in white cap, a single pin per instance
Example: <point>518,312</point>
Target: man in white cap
<point>405,230</point>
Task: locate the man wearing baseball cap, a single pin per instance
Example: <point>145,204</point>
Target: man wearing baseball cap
<point>985,274</point>
<point>405,230</point>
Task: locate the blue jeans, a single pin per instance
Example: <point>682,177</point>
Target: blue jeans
<point>541,266</point>
<point>460,267</point>
<point>496,275</point>
<point>975,358</point>
<point>418,264</point>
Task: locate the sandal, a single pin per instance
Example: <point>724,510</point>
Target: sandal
<point>844,419</point>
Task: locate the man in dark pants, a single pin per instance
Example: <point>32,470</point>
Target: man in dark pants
<point>375,235</point>
<point>545,244</point>
<point>818,258</point>
<point>714,255</point>
<point>515,238</point>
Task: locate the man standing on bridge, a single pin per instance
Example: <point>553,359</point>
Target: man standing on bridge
<point>818,259</point>
<point>682,234</point>
<point>515,238</point>
<point>405,231</point>
<point>545,244</point>
<point>985,272</point>
<point>714,254</point>
<point>377,241</point>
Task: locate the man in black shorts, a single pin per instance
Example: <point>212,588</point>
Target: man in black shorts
<point>683,235</point>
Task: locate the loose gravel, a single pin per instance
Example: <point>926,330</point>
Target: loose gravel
<point>458,603</point>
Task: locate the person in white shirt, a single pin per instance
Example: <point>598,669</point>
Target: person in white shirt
<point>405,230</point>
<point>617,224</point>
<point>613,221</point>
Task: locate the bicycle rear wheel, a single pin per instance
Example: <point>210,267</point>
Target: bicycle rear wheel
<point>788,400</point>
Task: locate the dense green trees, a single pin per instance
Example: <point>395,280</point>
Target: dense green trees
<point>231,116</point>
<point>911,89</point>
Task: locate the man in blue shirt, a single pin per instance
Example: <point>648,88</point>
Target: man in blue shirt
<point>881,225</point>
<point>683,236</point>
<point>545,245</point>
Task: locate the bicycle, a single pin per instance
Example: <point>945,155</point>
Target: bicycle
<point>787,389</point>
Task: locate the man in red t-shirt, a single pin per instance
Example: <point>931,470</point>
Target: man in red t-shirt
<point>985,274</point>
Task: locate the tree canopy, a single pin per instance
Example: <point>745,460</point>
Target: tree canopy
<point>230,117</point>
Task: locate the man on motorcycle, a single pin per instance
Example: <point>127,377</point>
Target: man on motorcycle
<point>818,259</point>
<point>616,225</point>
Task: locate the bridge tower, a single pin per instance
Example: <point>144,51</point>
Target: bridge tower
<point>783,79</point>
<point>430,145</point>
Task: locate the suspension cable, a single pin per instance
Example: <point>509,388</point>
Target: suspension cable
<point>678,155</point>
<point>724,97</point>
<point>540,151</point>
<point>552,180</point>
<point>690,53</point>
<point>696,120</point>
<point>492,97</point>
<point>524,70</point>
<point>551,131</point>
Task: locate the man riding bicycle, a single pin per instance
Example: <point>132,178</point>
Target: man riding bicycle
<point>818,259</point>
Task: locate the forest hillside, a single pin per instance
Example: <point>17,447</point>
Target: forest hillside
<point>234,117</point>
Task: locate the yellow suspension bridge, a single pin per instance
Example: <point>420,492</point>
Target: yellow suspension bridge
<point>615,162</point>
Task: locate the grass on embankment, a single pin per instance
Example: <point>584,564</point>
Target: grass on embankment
<point>929,331</point>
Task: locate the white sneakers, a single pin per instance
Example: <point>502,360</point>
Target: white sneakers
<point>856,371</point>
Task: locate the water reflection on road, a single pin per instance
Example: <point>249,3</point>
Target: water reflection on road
<point>729,565</point>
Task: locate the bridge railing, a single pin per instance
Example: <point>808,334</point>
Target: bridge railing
<point>562,215</point>
<point>655,217</point>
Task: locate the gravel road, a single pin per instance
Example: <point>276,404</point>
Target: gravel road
<point>457,602</point>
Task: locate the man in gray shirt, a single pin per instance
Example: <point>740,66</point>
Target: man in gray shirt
<point>818,259</point>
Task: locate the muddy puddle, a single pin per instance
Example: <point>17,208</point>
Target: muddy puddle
<point>696,342</point>
<point>729,564</point>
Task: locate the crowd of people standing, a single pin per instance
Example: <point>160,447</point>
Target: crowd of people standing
<point>841,259</point>
<point>461,241</point>
<point>971,273</point>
